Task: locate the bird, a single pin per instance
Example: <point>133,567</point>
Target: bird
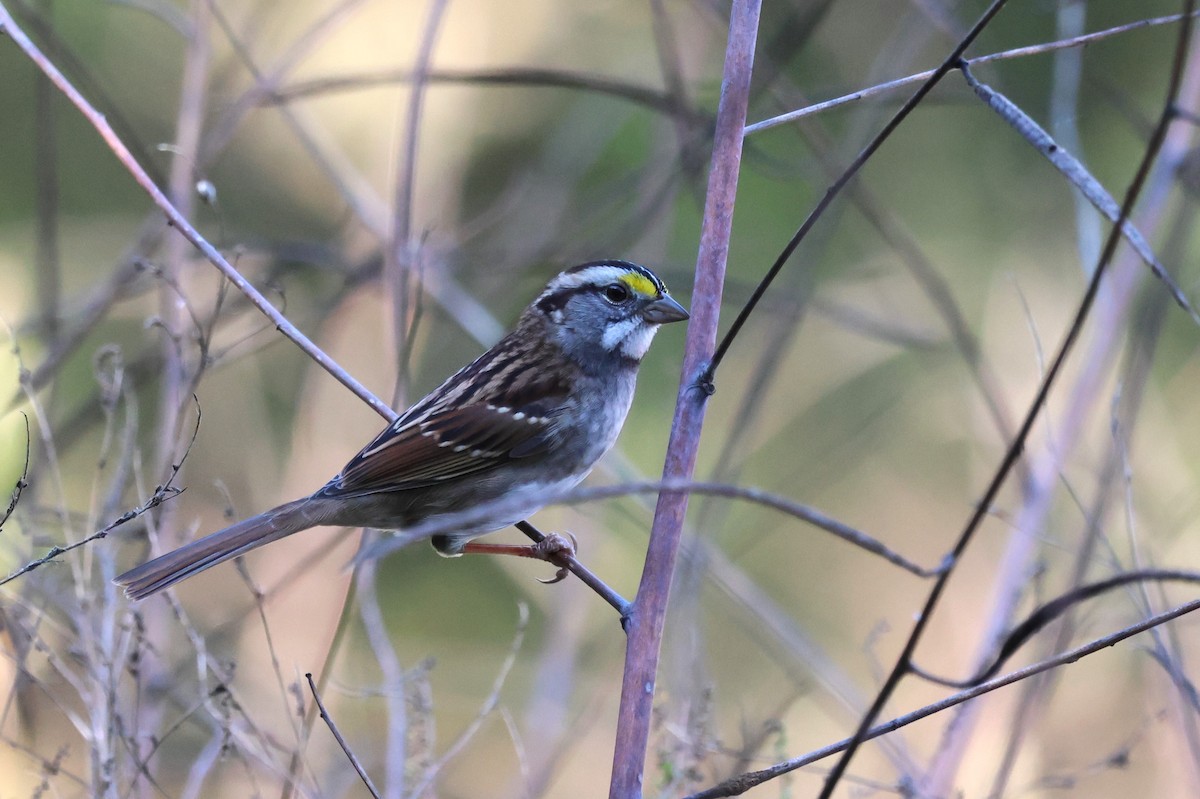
<point>528,418</point>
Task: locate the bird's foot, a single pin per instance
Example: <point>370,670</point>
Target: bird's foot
<point>556,549</point>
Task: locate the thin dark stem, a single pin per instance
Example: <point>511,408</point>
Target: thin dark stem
<point>160,496</point>
<point>903,662</point>
<point>354,761</point>
<point>833,191</point>
<point>22,481</point>
<point>645,624</point>
<point>1048,612</point>
<point>481,514</point>
<point>297,761</point>
<point>516,76</point>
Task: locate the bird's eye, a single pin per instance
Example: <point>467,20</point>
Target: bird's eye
<point>616,293</point>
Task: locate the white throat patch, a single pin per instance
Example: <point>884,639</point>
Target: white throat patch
<point>632,336</point>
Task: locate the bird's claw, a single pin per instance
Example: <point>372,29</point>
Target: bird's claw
<point>558,577</point>
<point>556,549</point>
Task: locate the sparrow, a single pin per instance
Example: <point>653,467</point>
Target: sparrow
<point>525,420</point>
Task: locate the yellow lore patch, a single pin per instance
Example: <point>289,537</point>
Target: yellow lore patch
<point>640,284</point>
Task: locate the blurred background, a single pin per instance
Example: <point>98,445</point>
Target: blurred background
<point>879,382</point>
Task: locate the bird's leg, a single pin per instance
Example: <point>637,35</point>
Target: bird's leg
<point>552,548</point>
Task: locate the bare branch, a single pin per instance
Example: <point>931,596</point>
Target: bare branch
<point>22,483</point>
<point>663,487</point>
<point>515,76</point>
<point>312,686</point>
<point>645,626</point>
<point>1079,177</point>
<point>161,495</point>
<point>900,83</point>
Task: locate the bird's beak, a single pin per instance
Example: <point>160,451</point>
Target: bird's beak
<point>664,310</point>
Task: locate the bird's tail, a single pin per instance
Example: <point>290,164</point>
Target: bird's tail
<point>237,539</point>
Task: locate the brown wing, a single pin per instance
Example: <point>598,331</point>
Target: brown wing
<point>443,446</point>
<point>490,412</point>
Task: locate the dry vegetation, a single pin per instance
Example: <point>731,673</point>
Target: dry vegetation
<point>397,180</point>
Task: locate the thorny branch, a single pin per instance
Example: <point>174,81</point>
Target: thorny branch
<point>21,482</point>
<point>161,494</point>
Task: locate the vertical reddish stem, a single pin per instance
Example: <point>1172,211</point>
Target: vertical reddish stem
<point>646,619</point>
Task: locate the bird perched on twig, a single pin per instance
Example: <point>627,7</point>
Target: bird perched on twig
<point>528,418</point>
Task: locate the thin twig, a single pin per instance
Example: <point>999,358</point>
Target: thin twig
<point>160,496</point>
<point>900,83</point>
<point>1048,612</point>
<point>22,481</point>
<point>578,496</point>
<point>362,773</point>
<point>514,76</point>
